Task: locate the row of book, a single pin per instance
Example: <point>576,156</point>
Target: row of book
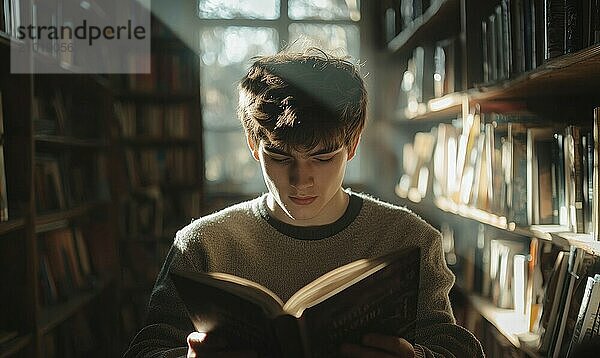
<point>400,14</point>
<point>65,266</point>
<point>57,112</point>
<point>520,35</point>
<point>150,212</point>
<point>168,72</point>
<point>153,120</point>
<point>3,190</point>
<point>60,181</point>
<point>10,18</point>
<point>549,287</point>
<point>418,85</point>
<point>531,174</point>
<point>162,166</point>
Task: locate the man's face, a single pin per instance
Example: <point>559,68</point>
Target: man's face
<point>305,188</point>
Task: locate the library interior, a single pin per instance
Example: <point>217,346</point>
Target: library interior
<point>483,119</point>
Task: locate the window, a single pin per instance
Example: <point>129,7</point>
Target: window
<point>231,33</point>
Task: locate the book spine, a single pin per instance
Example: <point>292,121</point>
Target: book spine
<point>579,179</point>
<point>596,177</point>
<point>518,138</point>
<point>528,34</point>
<point>291,337</point>
<point>595,22</point>
<point>555,27</point>
<point>570,186</point>
<point>573,25</point>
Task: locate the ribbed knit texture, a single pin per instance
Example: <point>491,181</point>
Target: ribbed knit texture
<point>240,241</point>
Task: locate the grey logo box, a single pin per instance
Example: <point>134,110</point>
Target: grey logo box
<point>82,37</point>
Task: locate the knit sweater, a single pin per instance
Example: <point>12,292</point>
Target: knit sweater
<point>245,241</point>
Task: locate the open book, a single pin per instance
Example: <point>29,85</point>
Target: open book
<point>368,295</point>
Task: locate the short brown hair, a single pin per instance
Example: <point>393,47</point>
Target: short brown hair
<point>303,100</point>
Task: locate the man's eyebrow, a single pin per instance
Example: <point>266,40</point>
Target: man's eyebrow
<point>325,151</point>
<point>274,150</point>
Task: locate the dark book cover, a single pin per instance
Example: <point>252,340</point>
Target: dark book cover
<point>369,295</point>
<point>573,25</point>
<point>555,28</point>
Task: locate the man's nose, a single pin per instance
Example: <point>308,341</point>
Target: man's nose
<point>301,176</point>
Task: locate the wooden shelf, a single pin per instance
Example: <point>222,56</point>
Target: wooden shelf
<point>166,96</point>
<point>5,39</point>
<point>582,241</point>
<point>513,326</point>
<point>570,75</point>
<point>56,220</point>
<point>53,65</point>
<point>174,187</point>
<point>56,140</point>
<point>427,25</point>
<point>574,74</point>
<point>436,109</point>
<point>559,235</point>
<point>15,346</point>
<point>160,141</point>
<point>11,225</point>
<point>54,315</point>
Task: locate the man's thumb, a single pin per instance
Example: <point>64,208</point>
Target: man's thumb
<point>195,338</point>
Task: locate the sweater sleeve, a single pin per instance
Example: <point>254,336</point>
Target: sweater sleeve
<point>167,324</point>
<point>437,334</point>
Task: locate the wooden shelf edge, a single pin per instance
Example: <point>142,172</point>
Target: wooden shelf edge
<point>52,221</point>
<point>69,141</point>
<point>559,235</point>
<point>15,346</point>
<point>441,108</point>
<point>491,92</point>
<point>157,141</point>
<point>52,316</point>
<point>581,241</point>
<point>5,39</point>
<point>11,225</point>
<point>156,95</point>
<point>512,326</point>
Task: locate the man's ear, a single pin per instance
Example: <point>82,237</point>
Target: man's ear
<point>352,149</point>
<point>253,148</point>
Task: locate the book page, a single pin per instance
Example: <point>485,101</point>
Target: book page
<point>325,285</point>
<point>241,287</point>
<point>337,280</point>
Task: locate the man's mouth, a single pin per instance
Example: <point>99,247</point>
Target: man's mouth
<point>304,200</point>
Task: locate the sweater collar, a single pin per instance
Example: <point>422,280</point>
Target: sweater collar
<point>313,232</point>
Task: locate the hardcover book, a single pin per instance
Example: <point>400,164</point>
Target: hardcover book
<point>377,295</point>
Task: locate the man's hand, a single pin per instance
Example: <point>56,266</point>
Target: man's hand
<point>379,346</point>
<point>196,349</point>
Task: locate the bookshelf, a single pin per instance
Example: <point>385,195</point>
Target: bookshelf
<point>57,242</point>
<point>158,136</point>
<point>499,131</point>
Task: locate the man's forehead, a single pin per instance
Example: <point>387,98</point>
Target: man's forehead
<point>319,149</point>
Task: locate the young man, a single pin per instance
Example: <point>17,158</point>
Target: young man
<point>303,115</point>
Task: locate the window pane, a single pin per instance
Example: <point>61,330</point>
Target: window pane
<point>342,39</point>
<point>229,164</point>
<point>324,9</point>
<point>235,9</point>
<point>225,54</point>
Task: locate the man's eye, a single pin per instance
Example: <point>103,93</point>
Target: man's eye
<point>324,159</point>
<point>280,159</point>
